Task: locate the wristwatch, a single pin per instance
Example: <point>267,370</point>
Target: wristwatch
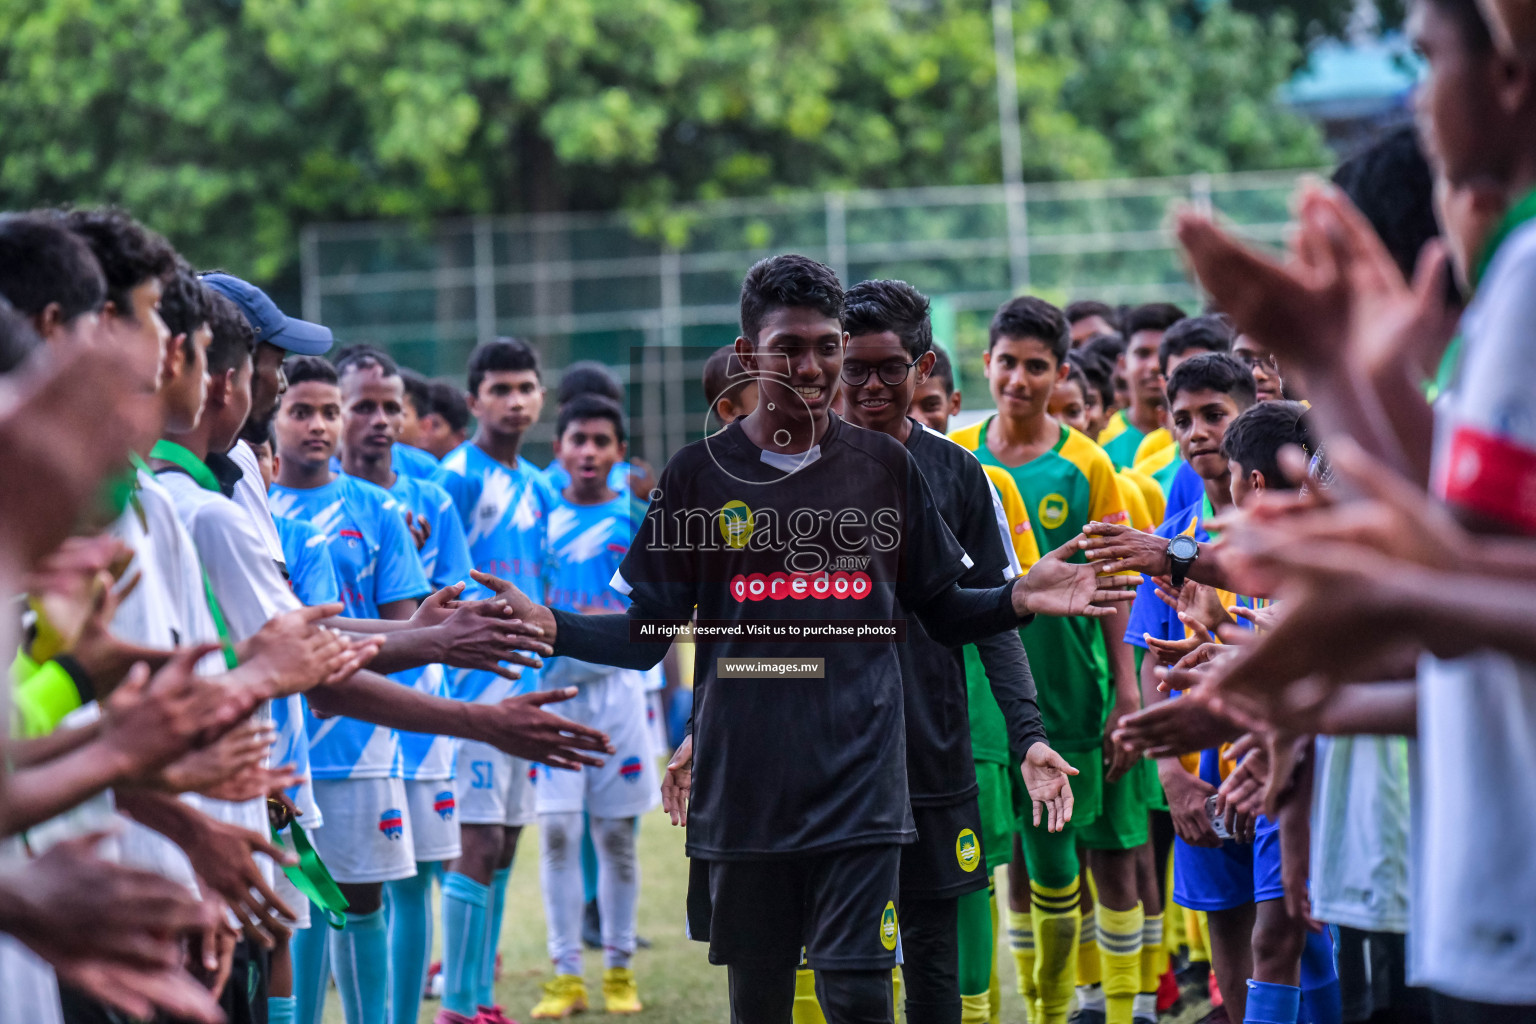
<point>1182,552</point>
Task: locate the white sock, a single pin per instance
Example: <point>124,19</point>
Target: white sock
<point>1144,1006</point>
<point>618,887</point>
<point>560,879</point>
<point>1090,997</point>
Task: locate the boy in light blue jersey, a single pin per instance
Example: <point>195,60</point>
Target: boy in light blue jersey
<point>356,766</point>
<point>373,402</point>
<point>503,504</point>
<point>590,529</point>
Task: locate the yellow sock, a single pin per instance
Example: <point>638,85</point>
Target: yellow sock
<point>975,1009</point>
<point>1089,971</point>
<point>1173,928</point>
<point>1195,936</point>
<point>1120,934</point>
<point>1021,941</point>
<point>1055,914</point>
<point>995,988</point>
<point>896,987</point>
<point>807,1010</point>
<point>1204,922</point>
<point>1154,955</point>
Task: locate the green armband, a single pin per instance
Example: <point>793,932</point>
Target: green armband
<point>45,694</point>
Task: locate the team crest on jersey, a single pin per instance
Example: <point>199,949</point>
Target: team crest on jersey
<point>967,850</point>
<point>533,774</point>
<point>630,769</point>
<point>444,803</point>
<point>392,823</point>
<point>735,522</point>
<point>1053,511</point>
<point>888,926</point>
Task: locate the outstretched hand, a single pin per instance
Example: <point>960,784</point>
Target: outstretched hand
<point>677,784</point>
<point>1046,776</point>
<point>521,727</point>
<point>1057,586</point>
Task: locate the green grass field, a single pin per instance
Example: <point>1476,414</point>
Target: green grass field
<point>677,982</point>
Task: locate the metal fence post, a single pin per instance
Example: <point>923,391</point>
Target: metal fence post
<point>837,235</point>
<point>485,282</point>
<point>309,272</point>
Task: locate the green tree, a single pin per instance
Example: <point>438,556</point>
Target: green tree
<point>229,124</point>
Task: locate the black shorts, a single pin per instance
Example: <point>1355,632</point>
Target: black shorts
<point>947,859</point>
<point>838,907</point>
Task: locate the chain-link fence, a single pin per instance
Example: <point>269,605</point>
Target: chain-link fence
<point>594,286</point>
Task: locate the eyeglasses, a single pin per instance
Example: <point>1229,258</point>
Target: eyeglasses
<point>1251,359</point>
<point>892,372</point>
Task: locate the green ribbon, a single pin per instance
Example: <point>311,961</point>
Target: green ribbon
<point>311,878</point>
<point>1517,215</point>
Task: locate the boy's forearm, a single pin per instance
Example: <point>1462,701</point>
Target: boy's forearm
<point>33,795</point>
<point>1013,687</point>
<point>1382,709</point>
<point>370,697</point>
<point>1122,663</point>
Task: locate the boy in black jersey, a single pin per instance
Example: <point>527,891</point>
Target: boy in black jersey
<point>889,354</point>
<point>791,532</point>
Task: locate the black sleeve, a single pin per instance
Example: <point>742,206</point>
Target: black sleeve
<point>606,640</point>
<point>958,616</point>
<point>930,557</point>
<point>1013,687</point>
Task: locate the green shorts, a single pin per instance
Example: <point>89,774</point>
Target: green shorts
<point>998,787</point>
<point>1153,786</point>
<point>1122,821</point>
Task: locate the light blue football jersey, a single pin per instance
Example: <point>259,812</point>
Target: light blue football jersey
<point>408,460</point>
<point>445,559</point>
<point>375,561</point>
<point>586,545</point>
<point>505,513</point>
<point>559,478</point>
<point>312,576</point>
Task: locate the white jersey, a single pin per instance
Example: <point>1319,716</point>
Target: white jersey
<point>1474,906</point>
<point>29,989</point>
<point>1360,832</point>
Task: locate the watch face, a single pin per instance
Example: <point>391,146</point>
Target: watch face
<point>1183,548</point>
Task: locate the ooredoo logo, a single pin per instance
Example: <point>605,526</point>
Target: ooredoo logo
<point>797,586</point>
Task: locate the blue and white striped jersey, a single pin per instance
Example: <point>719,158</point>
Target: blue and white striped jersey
<point>312,576</point>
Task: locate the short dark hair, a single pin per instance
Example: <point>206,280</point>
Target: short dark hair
<point>1150,316</point>
<point>1391,184</point>
<point>233,338</point>
<point>721,369</point>
<point>1106,348</point>
<point>17,338</point>
<point>943,370</point>
<point>591,406</point>
<point>1029,317</point>
<point>783,282</point>
<point>1214,371</point>
<point>588,377</point>
<point>363,356</point>
<point>1097,372</point>
<point>1082,309</point>
<point>507,354</point>
<point>448,402</point>
<point>43,262</point>
<point>418,390</point>
<point>1211,333</point>
<point>1076,376</point>
<point>129,253</point>
<point>184,305</point>
<point>1255,438</point>
<point>872,307</point>
<point>308,369</point>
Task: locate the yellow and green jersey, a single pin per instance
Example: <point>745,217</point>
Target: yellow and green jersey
<point>1144,500</point>
<point>1072,484</point>
<point>1153,444</point>
<point>1120,438</point>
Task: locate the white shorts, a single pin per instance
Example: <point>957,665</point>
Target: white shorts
<point>626,785</point>
<point>29,994</point>
<point>493,787</point>
<point>656,723</point>
<point>367,835</point>
<point>434,819</point>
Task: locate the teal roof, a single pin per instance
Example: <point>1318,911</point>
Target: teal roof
<point>1373,69</point>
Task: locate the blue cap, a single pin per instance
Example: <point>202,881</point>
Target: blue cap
<point>271,324</point>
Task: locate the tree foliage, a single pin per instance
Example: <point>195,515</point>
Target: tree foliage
<point>229,123</point>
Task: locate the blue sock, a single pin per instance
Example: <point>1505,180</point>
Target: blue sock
<point>1269,1003</point>
<point>408,909</point>
<point>466,918</point>
<point>360,963</point>
<point>1321,1001</point>
<point>485,992</point>
<point>280,1009</point>
<point>588,861</point>
<point>310,949</point>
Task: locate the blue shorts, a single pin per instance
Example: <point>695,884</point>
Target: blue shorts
<point>1230,875</point>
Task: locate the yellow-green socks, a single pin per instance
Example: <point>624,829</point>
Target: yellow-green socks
<point>995,989</point>
<point>1021,941</point>
<point>1056,917</point>
<point>806,1010</point>
<point>1089,971</point>
<point>1120,933</point>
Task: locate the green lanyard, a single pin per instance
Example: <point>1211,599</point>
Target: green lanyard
<point>309,875</point>
<point>176,455</point>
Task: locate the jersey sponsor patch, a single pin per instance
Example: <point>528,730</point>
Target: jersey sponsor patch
<point>392,823</point>
<point>797,586</point>
<point>967,850</point>
<point>630,769</point>
<point>888,926</point>
<point>444,803</point>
